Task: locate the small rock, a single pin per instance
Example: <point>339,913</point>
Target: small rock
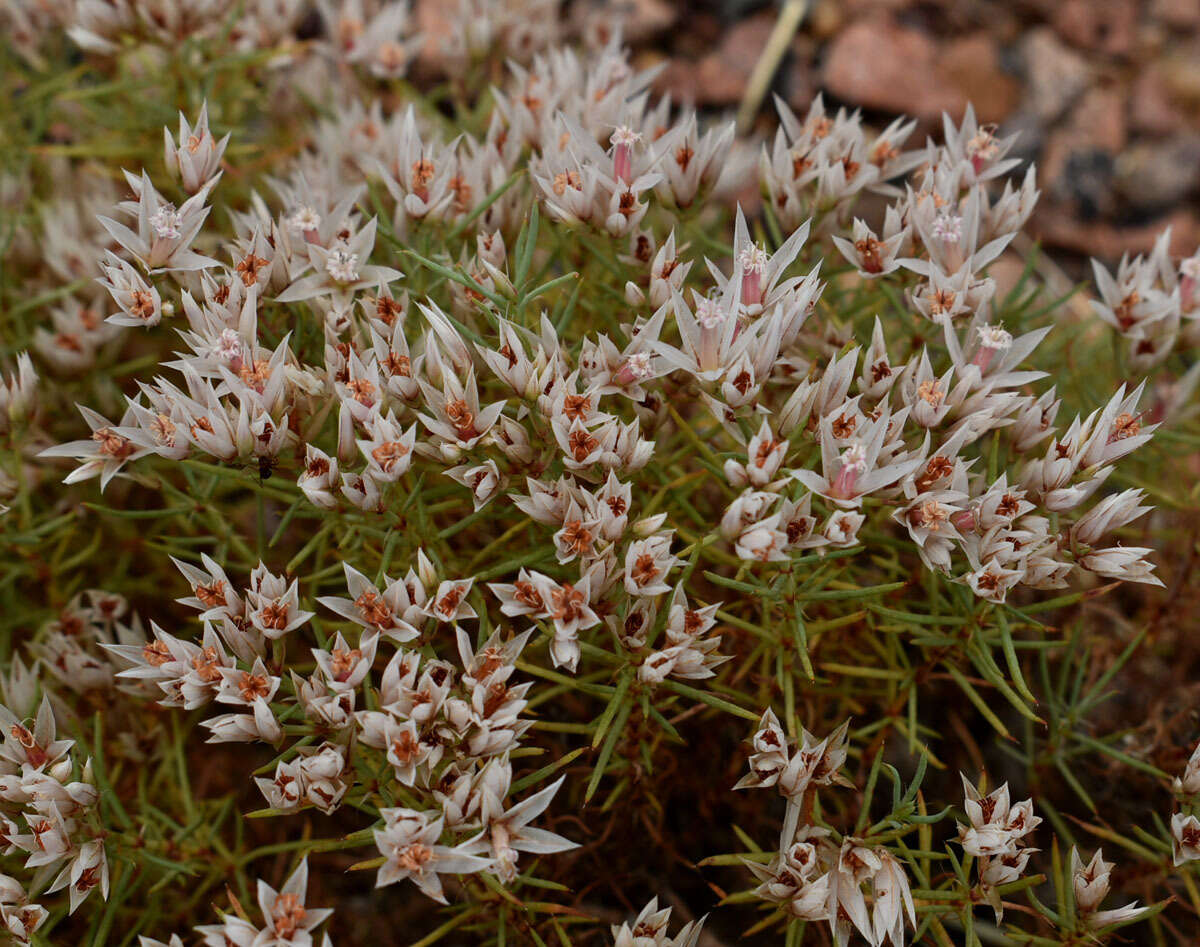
<point>1086,181</point>
<point>435,22</point>
<point>972,64</point>
<point>1080,153</point>
<point>1107,26</point>
<point>1031,134</point>
<point>716,84</point>
<point>1181,14</point>
<point>1153,176</point>
<point>1007,272</point>
<point>1152,109</point>
<point>798,85</point>
<point>702,36</point>
<point>1099,118</point>
<point>1052,227</point>
<point>825,20</point>
<point>1181,76</point>
<point>879,64</point>
<point>642,20</point>
<point>1056,76</point>
<point>720,77</point>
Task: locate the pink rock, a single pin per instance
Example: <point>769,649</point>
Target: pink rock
<point>1107,241</point>
<point>1152,109</point>
<point>972,65</point>
<point>1108,26</point>
<point>879,64</point>
<point>1056,75</point>
<point>720,77</point>
<point>1182,14</point>
<point>1093,126</point>
<point>1098,119</point>
<point>642,20</point>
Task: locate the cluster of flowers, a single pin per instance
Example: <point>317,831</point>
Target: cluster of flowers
<point>102,26</point>
<point>47,800</point>
<point>812,878</point>
<point>441,734</point>
<point>900,431</point>
<point>902,436</point>
<point>60,833</point>
<point>996,836</point>
<point>1185,827</point>
<point>801,435</point>
<point>17,393</point>
<point>1153,303</point>
<point>376,36</point>
<point>245,401</point>
<point>649,929</point>
<point>287,921</point>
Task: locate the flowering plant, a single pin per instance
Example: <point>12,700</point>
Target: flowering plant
<point>461,471</point>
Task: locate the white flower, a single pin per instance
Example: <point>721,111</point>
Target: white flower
<point>344,667</point>
<point>338,271</point>
<point>449,602</point>
<point>138,300</point>
<point>85,872</point>
<point>507,830</point>
<point>858,471</point>
<point>1091,883</point>
<point>1190,781</point>
<point>197,156</point>
<point>1127,563</point>
<point>273,606</point>
<point>483,480</point>
<point>319,477</point>
<point>34,749</point>
<point>647,564</point>
<point>409,844</point>
<point>893,900</point>
<point>165,221</point>
<point>164,235</point>
<point>1185,838</point>
<point>871,256</point>
<point>105,453</point>
<point>996,826</point>
<point>649,929</point>
<point>17,393</point>
<point>287,922</point>
<point>770,756</point>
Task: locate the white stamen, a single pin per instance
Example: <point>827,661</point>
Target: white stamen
<point>624,136</point>
<point>305,219</point>
<point>854,458</point>
<point>639,365</point>
<point>947,228</point>
<point>994,337</point>
<point>754,259</point>
<point>709,314</point>
<point>165,222</point>
<point>342,265</point>
<point>229,345</point>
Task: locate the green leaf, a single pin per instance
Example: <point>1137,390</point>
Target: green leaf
<point>606,752</point>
